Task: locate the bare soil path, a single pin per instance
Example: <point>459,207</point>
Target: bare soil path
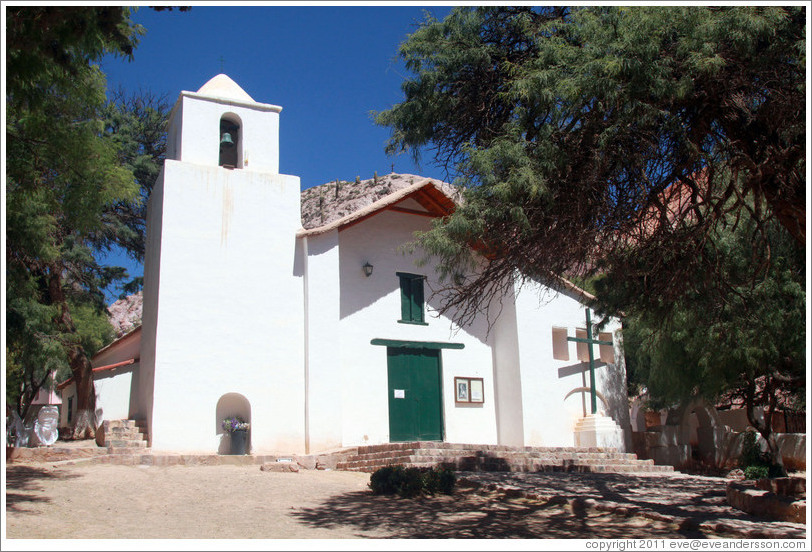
<point>229,502</point>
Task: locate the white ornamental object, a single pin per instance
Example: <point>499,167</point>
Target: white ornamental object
<point>45,425</point>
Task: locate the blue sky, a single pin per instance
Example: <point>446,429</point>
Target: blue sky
<point>327,66</point>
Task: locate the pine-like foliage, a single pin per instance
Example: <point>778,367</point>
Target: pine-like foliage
<point>745,344</point>
<point>63,175</point>
<point>601,140</point>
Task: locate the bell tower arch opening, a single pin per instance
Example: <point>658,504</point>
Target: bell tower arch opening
<point>230,142</point>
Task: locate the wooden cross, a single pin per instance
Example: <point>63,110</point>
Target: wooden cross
<point>589,342</point>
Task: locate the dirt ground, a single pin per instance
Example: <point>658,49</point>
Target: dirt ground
<point>243,502</point>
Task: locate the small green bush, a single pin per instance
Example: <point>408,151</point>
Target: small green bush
<point>386,480</point>
<point>756,463</point>
<point>447,481</point>
<point>412,482</point>
<point>756,472</point>
<point>751,454</point>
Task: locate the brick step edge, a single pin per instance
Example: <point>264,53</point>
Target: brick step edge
<point>366,449</point>
<point>474,464</point>
<point>129,431</point>
<point>537,469</point>
<point>453,453</point>
<point>424,456</point>
<point>130,443</point>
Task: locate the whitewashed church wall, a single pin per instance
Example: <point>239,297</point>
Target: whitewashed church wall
<point>144,381</point>
<point>370,309</point>
<point>507,376</point>
<point>200,134</point>
<point>113,392</point>
<point>115,389</point>
<point>549,417</point>
<point>323,342</point>
<point>231,317</point>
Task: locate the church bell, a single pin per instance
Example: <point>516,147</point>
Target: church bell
<point>226,140</point>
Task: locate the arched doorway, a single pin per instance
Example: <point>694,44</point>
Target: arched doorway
<point>702,429</point>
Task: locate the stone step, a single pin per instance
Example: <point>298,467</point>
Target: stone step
<point>384,455</point>
<point>483,448</point>
<point>467,457</point>
<point>130,443</point>
<point>573,468</point>
<point>128,449</point>
<point>125,433</point>
<point>136,425</point>
<point>409,456</point>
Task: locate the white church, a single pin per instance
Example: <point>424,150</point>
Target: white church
<point>327,335</point>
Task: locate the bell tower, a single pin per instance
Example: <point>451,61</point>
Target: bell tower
<point>223,300</point>
<point>221,125</point>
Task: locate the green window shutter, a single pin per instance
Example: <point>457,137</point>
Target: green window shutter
<point>417,299</point>
<point>405,299</point>
<point>411,298</point>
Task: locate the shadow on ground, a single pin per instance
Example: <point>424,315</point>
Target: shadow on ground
<point>698,498</point>
<point>22,484</point>
<point>479,515</point>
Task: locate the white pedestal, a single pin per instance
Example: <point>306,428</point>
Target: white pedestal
<point>595,430</point>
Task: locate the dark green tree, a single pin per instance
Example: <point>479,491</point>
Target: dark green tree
<point>136,123</point>
<point>63,174</point>
<point>656,152</point>
<point>744,345</point>
<point>568,126</point>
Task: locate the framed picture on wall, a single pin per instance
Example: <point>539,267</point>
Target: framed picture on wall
<point>461,386</point>
<point>476,390</point>
<point>469,390</point>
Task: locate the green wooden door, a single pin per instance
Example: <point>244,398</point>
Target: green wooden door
<point>415,395</point>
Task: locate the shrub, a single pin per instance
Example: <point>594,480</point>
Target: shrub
<point>411,482</point>
<point>751,454</point>
<point>756,472</point>
<point>386,480</point>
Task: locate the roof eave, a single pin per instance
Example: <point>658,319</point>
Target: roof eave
<point>371,209</point>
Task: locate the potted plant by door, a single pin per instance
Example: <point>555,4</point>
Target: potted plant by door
<point>237,428</point>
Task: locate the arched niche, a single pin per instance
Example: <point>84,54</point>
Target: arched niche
<point>231,143</point>
<point>700,422</point>
<point>231,405</point>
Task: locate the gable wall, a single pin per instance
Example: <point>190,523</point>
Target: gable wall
<point>370,308</point>
<point>549,417</point>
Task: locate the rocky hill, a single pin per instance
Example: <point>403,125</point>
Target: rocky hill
<point>323,204</point>
<point>125,314</point>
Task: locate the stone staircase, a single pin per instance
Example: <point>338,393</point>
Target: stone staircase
<point>465,457</point>
<point>125,436</point>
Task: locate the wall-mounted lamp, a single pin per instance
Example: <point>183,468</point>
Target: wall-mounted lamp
<point>367,269</point>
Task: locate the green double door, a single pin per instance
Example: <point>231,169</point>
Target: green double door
<point>415,394</point>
